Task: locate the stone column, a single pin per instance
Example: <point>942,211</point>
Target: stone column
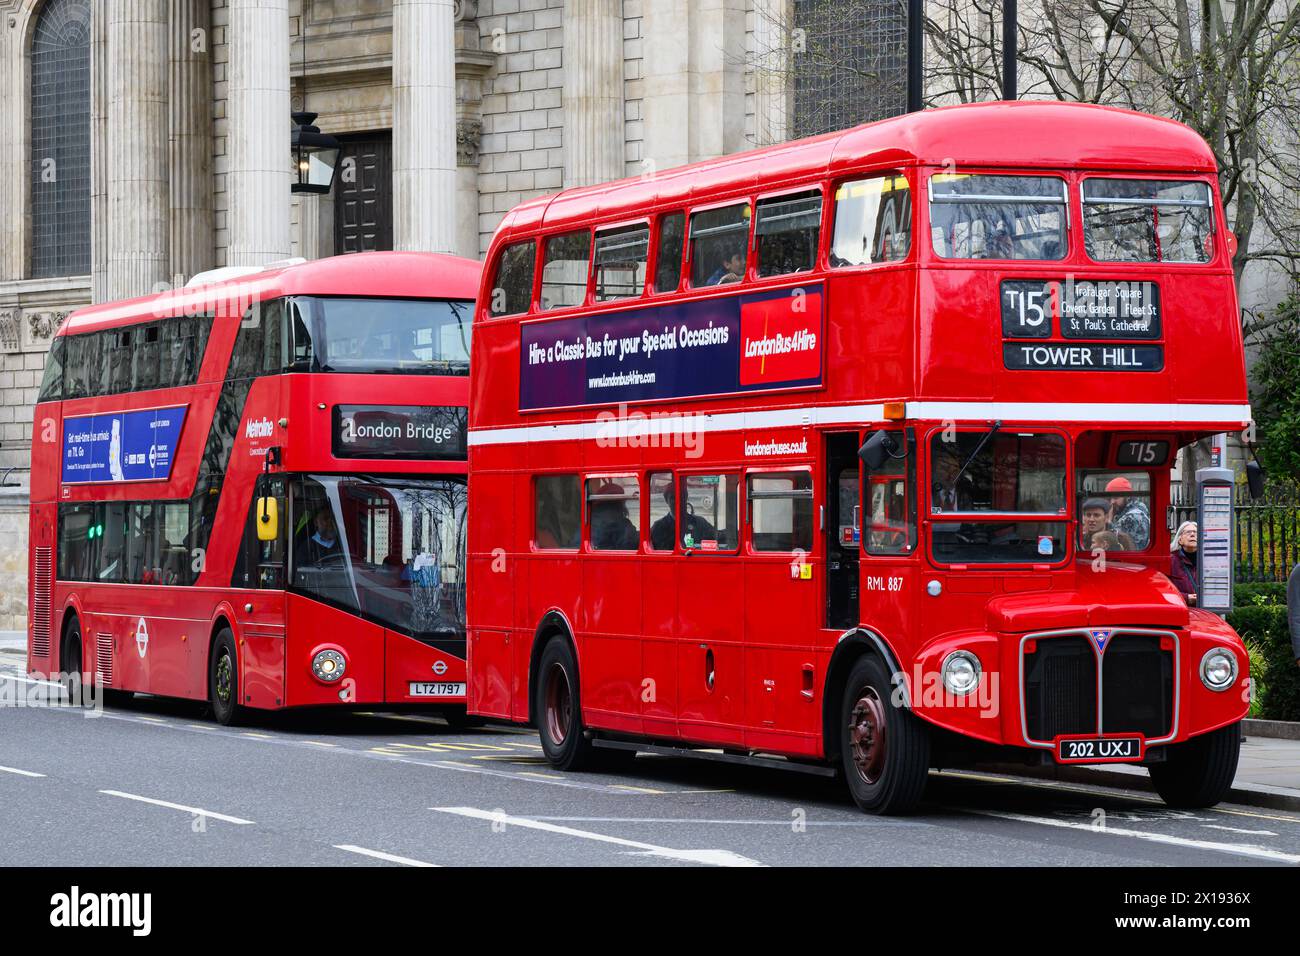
<point>99,95</point>
<point>473,63</point>
<point>138,193</point>
<point>424,126</point>
<point>258,176</point>
<point>191,139</point>
<point>773,22</point>
<point>594,134</point>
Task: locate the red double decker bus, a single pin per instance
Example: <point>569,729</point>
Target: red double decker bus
<point>855,451</point>
<point>252,491</point>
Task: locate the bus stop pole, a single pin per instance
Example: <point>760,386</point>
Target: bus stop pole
<point>915,52</point>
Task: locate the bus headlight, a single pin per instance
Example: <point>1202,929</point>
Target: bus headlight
<point>1219,668</point>
<point>328,666</point>
<point>961,672</point>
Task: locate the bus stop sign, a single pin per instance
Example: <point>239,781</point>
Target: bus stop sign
<point>1214,558</point>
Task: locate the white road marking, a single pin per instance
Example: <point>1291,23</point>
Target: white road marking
<point>709,857</point>
<point>1216,826</point>
<point>196,811</point>
<point>380,855</point>
<point>1241,849</point>
<point>21,773</point>
<point>30,680</point>
<point>877,822</point>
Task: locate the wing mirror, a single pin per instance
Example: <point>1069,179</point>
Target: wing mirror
<point>878,449</point>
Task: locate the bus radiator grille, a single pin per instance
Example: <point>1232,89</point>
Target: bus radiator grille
<point>1061,688</point>
<point>1137,686</point>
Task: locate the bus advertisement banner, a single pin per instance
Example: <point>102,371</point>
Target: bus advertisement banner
<point>718,346</point>
<point>121,446</point>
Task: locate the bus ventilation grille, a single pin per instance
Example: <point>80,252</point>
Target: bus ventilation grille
<point>41,603</point>
<point>1136,679</point>
<point>104,657</point>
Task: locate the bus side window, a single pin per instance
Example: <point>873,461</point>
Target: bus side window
<point>564,270</point>
<point>663,519</point>
<point>890,527</point>
<point>720,245</point>
<point>79,537</point>
<point>873,221</point>
<point>620,263</point>
<point>780,512</point>
<point>260,564</point>
<point>787,233</point>
<point>668,253</point>
<point>52,378</point>
<point>710,512</point>
<point>614,513</point>
<point>147,361</point>
<point>512,292</point>
<point>557,512</point>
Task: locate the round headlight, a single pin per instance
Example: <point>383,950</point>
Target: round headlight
<point>328,665</point>
<point>1218,668</point>
<point>961,672</point>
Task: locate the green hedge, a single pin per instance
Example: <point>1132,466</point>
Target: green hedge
<point>1260,618</point>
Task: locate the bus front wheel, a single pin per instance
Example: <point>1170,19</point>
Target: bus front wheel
<point>1199,772</point>
<point>885,749</point>
<point>223,679</point>
<point>559,714</point>
<point>73,676</point>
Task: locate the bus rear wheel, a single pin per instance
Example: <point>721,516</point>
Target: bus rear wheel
<point>884,748</point>
<point>559,714</point>
<point>73,675</point>
<point>223,679</point>
<point>1199,772</point>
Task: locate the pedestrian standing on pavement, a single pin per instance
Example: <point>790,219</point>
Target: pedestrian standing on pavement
<point>1182,561</point>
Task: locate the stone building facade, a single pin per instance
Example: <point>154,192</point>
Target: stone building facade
<point>153,140</point>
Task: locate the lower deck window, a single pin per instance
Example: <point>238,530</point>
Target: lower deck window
<point>781,512</point>
<point>614,509</point>
<point>999,542</point>
<point>710,512</point>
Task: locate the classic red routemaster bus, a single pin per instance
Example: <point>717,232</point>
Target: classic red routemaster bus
<point>253,491</point>
<point>855,451</point>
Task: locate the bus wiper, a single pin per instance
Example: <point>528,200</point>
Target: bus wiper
<point>973,455</point>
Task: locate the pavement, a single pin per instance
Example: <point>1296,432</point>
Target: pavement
<point>156,782</point>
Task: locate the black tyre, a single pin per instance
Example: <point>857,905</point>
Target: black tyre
<point>885,749</point>
<point>74,675</point>
<point>559,713</point>
<point>1199,772</point>
<point>223,679</point>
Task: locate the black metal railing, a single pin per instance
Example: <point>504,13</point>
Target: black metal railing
<point>1268,531</point>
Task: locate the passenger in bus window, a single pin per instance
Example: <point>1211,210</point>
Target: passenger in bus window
<point>1130,513</point>
<point>1182,561</point>
<point>1092,521</point>
<point>694,528</point>
<point>731,270</point>
<point>611,528</point>
<point>951,493</point>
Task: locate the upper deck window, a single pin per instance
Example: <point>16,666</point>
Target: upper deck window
<point>787,233</point>
<point>421,336</point>
<point>564,270</point>
<point>720,245</point>
<point>1147,220</point>
<point>873,221</point>
<point>620,262</point>
<point>512,292</point>
<point>977,216</point>
<point>668,256</point>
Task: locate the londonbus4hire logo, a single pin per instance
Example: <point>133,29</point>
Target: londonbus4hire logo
<point>780,340</point>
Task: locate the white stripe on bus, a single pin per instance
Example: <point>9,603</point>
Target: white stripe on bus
<point>635,424</point>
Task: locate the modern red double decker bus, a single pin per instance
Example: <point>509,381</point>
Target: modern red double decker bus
<point>854,453</point>
<point>252,491</point>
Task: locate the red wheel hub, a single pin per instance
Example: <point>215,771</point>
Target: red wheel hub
<point>867,735</point>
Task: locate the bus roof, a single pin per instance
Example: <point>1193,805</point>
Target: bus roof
<point>395,274</point>
<point>1024,133</point>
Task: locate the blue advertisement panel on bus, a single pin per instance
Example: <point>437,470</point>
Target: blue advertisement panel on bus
<point>705,347</point>
<point>121,446</point>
